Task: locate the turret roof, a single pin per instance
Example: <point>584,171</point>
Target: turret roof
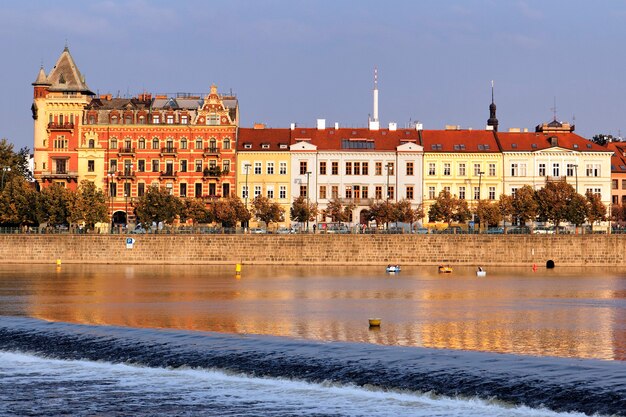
<point>65,76</point>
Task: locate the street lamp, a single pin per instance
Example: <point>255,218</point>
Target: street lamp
<point>127,172</point>
<point>4,171</point>
<point>480,177</point>
<point>308,205</point>
<point>388,167</point>
<point>575,166</point>
<point>247,167</point>
<point>111,177</point>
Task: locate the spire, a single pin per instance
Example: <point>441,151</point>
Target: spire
<point>65,76</point>
<point>375,113</point>
<point>493,121</point>
<point>41,77</point>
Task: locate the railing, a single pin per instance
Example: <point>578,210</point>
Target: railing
<point>211,151</point>
<point>59,174</point>
<point>126,151</point>
<point>168,174</point>
<point>556,178</point>
<point>61,126</point>
<point>169,151</point>
<point>126,175</point>
<point>213,173</point>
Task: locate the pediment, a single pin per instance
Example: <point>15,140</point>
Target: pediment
<point>410,147</point>
<point>555,149</point>
<point>303,146</point>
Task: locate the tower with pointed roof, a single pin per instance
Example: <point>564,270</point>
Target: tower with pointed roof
<point>492,122</point>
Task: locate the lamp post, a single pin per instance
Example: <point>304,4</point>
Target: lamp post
<point>575,166</point>
<point>111,176</point>
<point>127,172</point>
<point>388,166</point>
<point>480,177</point>
<point>4,171</point>
<point>247,167</point>
<point>308,204</point>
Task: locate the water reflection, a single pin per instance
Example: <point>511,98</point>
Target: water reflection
<point>564,312</point>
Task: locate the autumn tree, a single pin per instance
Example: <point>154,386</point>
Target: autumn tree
<point>597,210</point>
<point>55,201</point>
<point>339,212</point>
<point>553,200</point>
<point>19,203</point>
<point>488,212</point>
<point>447,208</point>
<point>505,207</point>
<point>525,205</point>
<point>577,210</point>
<point>267,211</point>
<point>228,211</point>
<point>195,209</point>
<point>157,205</point>
<point>301,210</point>
<point>16,162</point>
<point>403,212</point>
<point>87,204</point>
<point>381,212</point>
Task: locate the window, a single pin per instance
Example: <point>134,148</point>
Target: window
<point>323,192</point>
<point>593,170</point>
<point>212,145</point>
<point>365,168</point>
<point>112,189</point>
<point>92,143</point>
<point>282,168</point>
<point>226,143</point>
<point>213,119</point>
<point>141,189</point>
<point>390,168</point>
<point>513,191</point>
<point>518,169</point>
<point>258,168</point>
<point>514,170</point>
<point>170,120</point>
<point>170,188</point>
<point>91,166</point>
<point>446,189</point>
<point>322,167</point>
<point>492,193</point>
<point>257,191</point>
<point>348,192</point>
<point>595,191</point>
<point>364,190</point>
<point>570,170</point>
<point>303,167</point>
<point>155,165</point>
<point>492,170</point>
<point>334,168</point>
<point>390,192</point>
<point>113,120</point>
<point>357,168</point>
<point>623,184</point>
<point>335,191</point>
<point>409,168</point>
<point>270,168</point>
<point>183,165</point>
<point>198,189</point>
<point>462,169</point>
<point>348,168</point>
<point>141,165</point>
<point>409,192</point>
<point>476,193</point>
<point>542,170</point>
<point>431,193</point>
<point>302,190</point>
<point>198,165</point>
<point>477,170</point>
<point>142,143</point>
<point>142,120</point>
<point>113,143</point>
<point>226,166</point>
<point>61,166</point>
<point>462,193</point>
<point>244,191</point>
<point>270,192</point>
<point>432,170</point>
<point>183,143</point>
<point>212,189</point>
<point>225,189</point>
<point>446,168</point>
<point>378,192</point>
<point>614,184</point>
<point>112,165</point>
<point>155,143</point>
<point>282,192</point>
<point>378,168</point>
<point>522,169</point>
<point>556,170</point>
<point>127,189</point>
<point>156,119</point>
<point>184,119</point>
<point>198,144</point>
<point>128,144</point>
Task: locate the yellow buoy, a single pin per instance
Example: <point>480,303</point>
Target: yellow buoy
<point>238,268</point>
<point>58,262</point>
<point>374,322</point>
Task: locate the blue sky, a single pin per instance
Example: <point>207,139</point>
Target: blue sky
<point>296,61</point>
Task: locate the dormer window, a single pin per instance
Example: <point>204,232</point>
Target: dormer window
<point>247,146</point>
<point>265,146</point>
<point>156,119</point>
<point>184,119</point>
<point>575,146</point>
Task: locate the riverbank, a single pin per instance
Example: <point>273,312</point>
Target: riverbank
<point>505,250</point>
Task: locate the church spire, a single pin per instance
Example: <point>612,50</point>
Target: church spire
<point>493,120</point>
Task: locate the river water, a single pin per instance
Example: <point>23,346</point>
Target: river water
<point>295,341</point>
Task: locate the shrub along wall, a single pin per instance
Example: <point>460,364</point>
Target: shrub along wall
<point>513,250</point>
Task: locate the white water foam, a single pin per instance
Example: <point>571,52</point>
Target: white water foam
<point>87,388</point>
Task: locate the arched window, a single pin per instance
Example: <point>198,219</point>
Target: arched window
<point>155,143</point>
<point>142,143</point>
<point>213,144</point>
<point>92,143</point>
<point>169,144</point>
<point>129,119</point>
<point>183,143</point>
<point>127,143</point>
<point>226,143</point>
<point>114,143</point>
<point>92,119</point>
<point>113,120</point>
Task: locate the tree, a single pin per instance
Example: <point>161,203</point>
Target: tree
<point>553,200</point>
<point>525,205</point>
<point>196,210</point>
<point>301,210</point>
<point>157,205</point>
<point>19,203</point>
<point>597,210</point>
<point>602,139</point>
<point>16,161</point>
<point>403,212</point>
<point>338,212</point>
<point>488,213</point>
<point>505,207</point>
<point>267,211</point>
<point>381,212</point>
<point>447,208</point>
<point>577,210</point>
<point>88,204</point>
<point>55,201</point>
<point>229,211</point>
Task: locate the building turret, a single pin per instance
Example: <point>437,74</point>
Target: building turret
<point>492,123</point>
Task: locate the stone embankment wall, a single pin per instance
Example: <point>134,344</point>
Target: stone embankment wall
<point>513,250</point>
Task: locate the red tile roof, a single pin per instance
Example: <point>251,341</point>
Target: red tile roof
<point>256,138</point>
<point>533,141</point>
<point>618,159</point>
<point>459,141</point>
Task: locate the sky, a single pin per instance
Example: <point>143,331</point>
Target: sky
<point>295,61</point>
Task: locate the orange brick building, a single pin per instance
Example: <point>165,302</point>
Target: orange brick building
<point>185,143</point>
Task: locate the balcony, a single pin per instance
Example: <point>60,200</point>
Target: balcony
<point>126,175</point>
<point>169,151</point>
<point>126,152</point>
<point>357,201</point>
<point>168,175</point>
<point>560,178</point>
<point>60,126</point>
<point>60,175</point>
<point>213,173</point>
<point>214,151</point>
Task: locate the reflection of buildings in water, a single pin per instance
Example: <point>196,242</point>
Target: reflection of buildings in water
<point>211,299</point>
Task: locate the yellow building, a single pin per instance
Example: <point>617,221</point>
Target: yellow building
<point>467,163</point>
<point>263,167</point>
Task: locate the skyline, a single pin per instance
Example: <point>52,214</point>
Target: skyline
<point>295,62</point>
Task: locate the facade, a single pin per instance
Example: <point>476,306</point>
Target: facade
<point>618,173</point>
<point>264,166</point>
<point>466,163</point>
<point>125,145</point>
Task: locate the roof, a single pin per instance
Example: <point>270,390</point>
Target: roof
<point>250,139</point>
<point>618,159</point>
<point>65,76</point>
<point>464,141</point>
<point>535,141</point>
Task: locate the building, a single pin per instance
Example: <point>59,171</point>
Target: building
<point>618,173</point>
<point>185,143</point>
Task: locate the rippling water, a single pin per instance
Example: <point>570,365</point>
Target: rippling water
<point>438,351</point>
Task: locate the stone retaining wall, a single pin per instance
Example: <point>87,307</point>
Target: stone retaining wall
<point>513,250</point>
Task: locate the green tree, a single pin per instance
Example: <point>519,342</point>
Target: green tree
<point>488,212</point>
<point>16,162</point>
<point>19,203</point>
<point>196,210</point>
<point>577,210</point>
<point>87,204</point>
<point>339,212</point>
<point>267,211</point>
<point>55,202</point>
<point>597,210</point>
<point>158,205</point>
<point>447,208</point>
<point>602,139</point>
<point>301,210</point>
<point>553,200</point>
<point>525,205</point>
<point>230,210</point>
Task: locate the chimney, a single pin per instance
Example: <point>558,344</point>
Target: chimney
<point>321,124</point>
<point>293,126</point>
<point>393,126</point>
<point>336,125</point>
<point>259,125</point>
<point>419,126</point>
